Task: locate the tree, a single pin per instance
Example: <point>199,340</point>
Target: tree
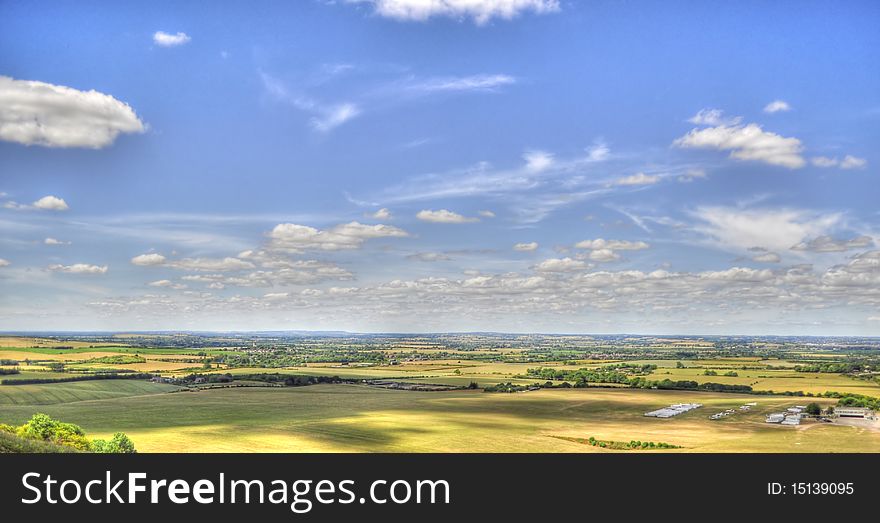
<point>119,444</point>
<point>813,409</point>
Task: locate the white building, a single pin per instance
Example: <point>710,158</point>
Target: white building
<point>852,412</point>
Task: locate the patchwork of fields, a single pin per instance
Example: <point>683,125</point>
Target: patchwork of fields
<point>249,415</point>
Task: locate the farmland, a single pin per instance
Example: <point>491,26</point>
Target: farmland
<point>353,394</point>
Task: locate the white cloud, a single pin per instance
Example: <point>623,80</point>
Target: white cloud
<point>480,11</point>
<point>478,82</point>
<point>163,39</point>
<point>50,203</point>
<point>381,214</point>
<point>54,241</point>
<point>537,161</point>
<point>561,265</point>
<point>826,243</point>
<point>713,117</point>
<point>604,255</point>
<point>211,264</point>
<point>824,161</point>
<point>334,116</point>
<point>767,257</point>
<point>443,216</point>
<point>293,237</point>
<point>4,263</point>
<point>848,162</point>
<point>638,179</point>
<point>852,162</point>
<point>486,214</point>
<point>167,284</point>
<point>617,245</point>
<point>746,142</point>
<point>325,117</point>
<point>774,229</point>
<point>148,259</point>
<point>691,175</point>
<point>777,106</point>
<point>79,268</point>
<point>525,247</point>
<point>599,152</point>
<point>429,256</point>
<point>39,113</point>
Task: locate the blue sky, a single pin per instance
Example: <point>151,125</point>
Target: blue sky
<point>401,165</point>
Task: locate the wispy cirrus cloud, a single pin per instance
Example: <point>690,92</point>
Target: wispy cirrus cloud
<point>324,116</point>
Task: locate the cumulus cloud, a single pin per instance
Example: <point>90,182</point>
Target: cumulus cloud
<point>480,11</point>
<point>745,142</point>
<point>39,113</point>
<point>50,203</point>
<point>79,268</point>
<point>444,216</point>
<point>826,243</point>
<point>486,214</point>
<point>561,265</point>
<point>604,255</point>
<point>148,259</point>
<point>777,106</point>
<point>54,241</point>
<point>381,214</point>
<point>525,247</point>
<point>163,39</point>
<point>294,237</point>
<point>4,263</point>
<point>638,179</point>
<point>617,245</point>
<point>274,272</point>
<point>775,229</point>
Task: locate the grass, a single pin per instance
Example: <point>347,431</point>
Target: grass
<point>57,393</point>
<point>355,418</point>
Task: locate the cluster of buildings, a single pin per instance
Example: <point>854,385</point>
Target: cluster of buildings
<point>673,410</point>
<point>791,416</point>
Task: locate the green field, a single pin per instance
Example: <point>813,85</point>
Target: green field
<point>74,391</point>
<point>354,418</point>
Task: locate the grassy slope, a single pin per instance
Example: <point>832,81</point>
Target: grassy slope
<point>55,393</point>
<point>351,418</point>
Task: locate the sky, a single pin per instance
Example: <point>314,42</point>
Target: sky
<point>681,167</point>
